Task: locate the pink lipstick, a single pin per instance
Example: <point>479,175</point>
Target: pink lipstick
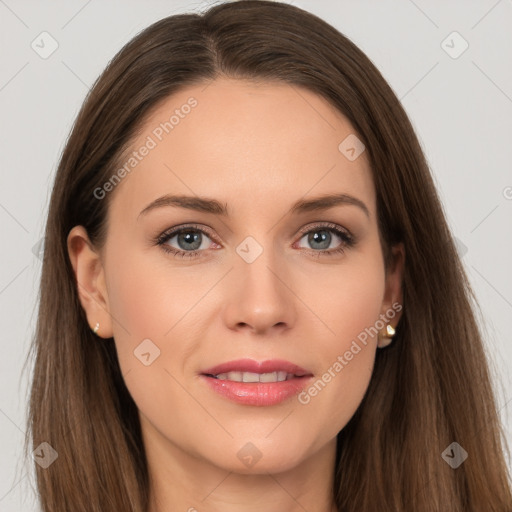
<point>249,382</point>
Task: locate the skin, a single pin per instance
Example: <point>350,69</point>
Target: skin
<point>257,148</point>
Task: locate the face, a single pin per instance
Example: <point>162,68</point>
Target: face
<point>262,270</point>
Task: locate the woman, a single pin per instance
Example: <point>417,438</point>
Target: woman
<point>254,369</point>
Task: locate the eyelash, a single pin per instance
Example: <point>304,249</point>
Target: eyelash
<point>348,240</point>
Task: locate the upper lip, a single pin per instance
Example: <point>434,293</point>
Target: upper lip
<point>250,365</point>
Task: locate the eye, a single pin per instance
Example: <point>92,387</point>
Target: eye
<point>321,236</point>
<point>191,241</point>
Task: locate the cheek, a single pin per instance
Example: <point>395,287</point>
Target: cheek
<point>149,301</point>
<point>148,295</point>
<point>348,306</point>
<point>346,299</point>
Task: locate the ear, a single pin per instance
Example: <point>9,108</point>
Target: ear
<point>392,304</point>
<point>90,281</point>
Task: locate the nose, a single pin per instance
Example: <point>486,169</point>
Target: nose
<point>260,297</point>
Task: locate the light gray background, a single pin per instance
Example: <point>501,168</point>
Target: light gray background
<point>461,108</point>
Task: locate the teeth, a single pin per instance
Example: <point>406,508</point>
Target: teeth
<point>255,377</point>
<point>282,376</point>
<point>268,377</point>
<point>250,377</point>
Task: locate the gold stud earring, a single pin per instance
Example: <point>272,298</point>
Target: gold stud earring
<point>387,338</point>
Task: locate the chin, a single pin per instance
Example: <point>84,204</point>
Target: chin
<point>260,457</point>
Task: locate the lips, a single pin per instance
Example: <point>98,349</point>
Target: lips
<point>249,382</point>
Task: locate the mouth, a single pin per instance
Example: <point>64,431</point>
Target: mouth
<point>249,382</point>
<point>279,376</point>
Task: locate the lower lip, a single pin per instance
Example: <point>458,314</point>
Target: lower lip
<point>257,393</point>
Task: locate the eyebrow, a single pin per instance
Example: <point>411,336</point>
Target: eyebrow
<point>207,205</point>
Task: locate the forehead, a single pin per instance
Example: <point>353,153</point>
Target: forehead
<point>246,144</point>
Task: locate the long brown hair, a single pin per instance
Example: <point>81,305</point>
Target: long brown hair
<point>430,388</point>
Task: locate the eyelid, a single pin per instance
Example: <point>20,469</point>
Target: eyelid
<point>169,233</point>
<point>206,229</point>
<point>325,225</point>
